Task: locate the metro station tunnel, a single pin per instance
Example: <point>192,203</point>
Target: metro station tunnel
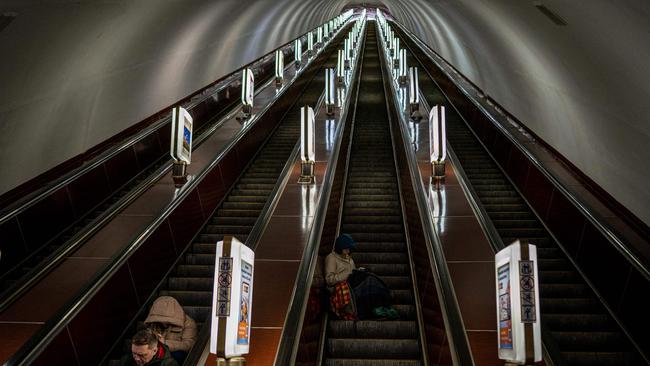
<point>333,182</point>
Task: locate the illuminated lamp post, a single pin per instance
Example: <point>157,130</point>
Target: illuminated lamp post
<point>414,93</point>
<point>279,67</point>
<point>330,98</point>
<point>247,92</point>
<point>307,145</point>
<point>297,52</point>
<point>340,68</point>
<point>437,141</point>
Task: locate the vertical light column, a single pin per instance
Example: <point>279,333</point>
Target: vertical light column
<point>310,44</point>
<point>340,68</point>
<point>297,52</point>
<point>247,92</point>
<point>396,52</point>
<point>346,51</point>
<point>319,37</point>
<point>279,67</point>
<point>330,98</point>
<point>307,145</point>
<point>437,141</point>
<point>414,93</point>
<point>403,77</point>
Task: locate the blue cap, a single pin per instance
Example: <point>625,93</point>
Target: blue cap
<point>344,241</point>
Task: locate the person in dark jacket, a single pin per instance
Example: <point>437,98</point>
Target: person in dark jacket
<point>146,350</point>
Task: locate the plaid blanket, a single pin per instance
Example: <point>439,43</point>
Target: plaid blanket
<point>341,301</point>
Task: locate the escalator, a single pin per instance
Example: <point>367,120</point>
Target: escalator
<point>372,215</point>
<point>65,242</point>
<point>577,328</point>
<point>191,280</point>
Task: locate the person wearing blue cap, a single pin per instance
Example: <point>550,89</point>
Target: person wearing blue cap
<point>338,267</point>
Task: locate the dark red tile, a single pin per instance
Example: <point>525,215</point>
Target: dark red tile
<point>273,285</point>
<point>484,348</point>
<point>284,238</point>
<point>463,239</point>
<point>298,200</point>
<point>538,192</point>
<point>474,286</point>
<point>186,220</point>
<point>89,190</point>
<point>165,136</point>
<point>518,167</point>
<point>148,150</point>
<point>121,168</point>
<point>449,201</point>
<point>500,149</point>
<point>597,253</point>
<point>565,222</point>
<point>264,345</point>
<point>153,201</point>
<point>109,310</point>
<point>230,168</point>
<point>14,336</point>
<point>636,302</point>
<point>58,288</point>
<point>116,235</point>
<point>12,246</point>
<point>59,352</point>
<point>151,261</point>
<point>46,218</point>
<point>211,191</point>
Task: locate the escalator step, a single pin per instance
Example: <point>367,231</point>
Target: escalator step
<point>363,259</point>
<point>585,341</point>
<point>378,348</point>
<point>373,329</point>
<point>370,362</point>
<point>190,284</point>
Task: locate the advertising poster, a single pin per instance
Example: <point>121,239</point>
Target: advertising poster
<point>243,327</point>
<point>505,307</point>
<point>187,138</point>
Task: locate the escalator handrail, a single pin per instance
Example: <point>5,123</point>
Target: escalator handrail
<point>289,339</point>
<point>32,348</point>
<point>460,350</point>
<point>16,290</point>
<point>188,102</point>
<point>586,211</point>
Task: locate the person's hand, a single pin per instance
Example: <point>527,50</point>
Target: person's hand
<point>363,269</point>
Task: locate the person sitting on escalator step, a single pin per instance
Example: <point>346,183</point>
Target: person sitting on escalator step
<point>338,267</point>
<point>146,350</point>
<point>174,328</point>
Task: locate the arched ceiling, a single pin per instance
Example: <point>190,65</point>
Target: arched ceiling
<point>76,72</point>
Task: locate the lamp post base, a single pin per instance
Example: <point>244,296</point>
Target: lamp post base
<point>329,109</point>
<point>235,361</point>
<point>307,173</point>
<point>179,173</point>
<point>438,169</point>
